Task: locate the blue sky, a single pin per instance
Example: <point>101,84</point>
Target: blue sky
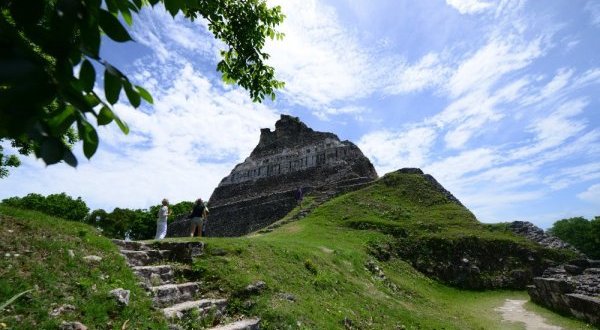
<point>497,99</point>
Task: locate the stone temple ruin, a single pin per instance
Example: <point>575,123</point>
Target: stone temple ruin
<point>261,190</point>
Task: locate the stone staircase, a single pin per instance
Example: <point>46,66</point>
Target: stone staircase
<point>156,264</point>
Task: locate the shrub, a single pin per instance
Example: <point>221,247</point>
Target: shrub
<point>59,205</point>
<point>583,234</point>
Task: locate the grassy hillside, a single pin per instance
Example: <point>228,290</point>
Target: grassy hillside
<point>327,270</point>
<point>342,267</point>
<point>35,257</point>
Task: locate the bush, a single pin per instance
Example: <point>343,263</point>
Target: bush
<point>124,223</point>
<point>583,234</point>
<point>59,205</point>
<point>134,224</point>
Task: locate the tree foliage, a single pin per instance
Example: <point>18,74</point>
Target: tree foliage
<point>134,224</point>
<point>42,96</point>
<point>59,205</point>
<point>581,233</point>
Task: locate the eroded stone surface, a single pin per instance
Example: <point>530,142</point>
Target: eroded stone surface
<point>261,190</point>
<point>571,292</point>
<point>536,234</point>
<point>121,296</point>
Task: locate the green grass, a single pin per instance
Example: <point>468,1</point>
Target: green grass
<point>34,255</point>
<point>321,261</point>
<point>315,269</point>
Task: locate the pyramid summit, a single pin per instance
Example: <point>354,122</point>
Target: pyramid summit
<point>261,190</point>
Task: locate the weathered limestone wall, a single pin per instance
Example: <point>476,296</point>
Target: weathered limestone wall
<point>261,190</point>
<point>572,289</point>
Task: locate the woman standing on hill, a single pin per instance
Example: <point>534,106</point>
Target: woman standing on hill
<point>197,217</point>
<point>161,223</point>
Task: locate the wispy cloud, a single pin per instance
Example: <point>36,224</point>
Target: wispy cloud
<point>498,83</point>
<point>469,6</point>
<point>591,194</point>
<point>593,9</point>
<point>428,72</point>
<point>572,175</point>
<point>392,150</point>
<point>501,55</point>
<point>323,62</point>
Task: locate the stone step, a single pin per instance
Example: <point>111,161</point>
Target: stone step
<point>144,258</point>
<point>130,245</point>
<point>246,324</point>
<point>204,306</point>
<point>169,294</point>
<point>155,275</point>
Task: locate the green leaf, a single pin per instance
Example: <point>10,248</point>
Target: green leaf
<point>105,116</point>
<point>122,125</point>
<point>87,75</point>
<point>88,134</point>
<point>112,5</point>
<point>112,27</point>
<point>92,99</point>
<point>112,86</point>
<point>62,120</point>
<point>144,94</point>
<point>69,158</point>
<point>173,6</point>
<point>52,150</point>
<point>75,95</point>
<point>132,95</point>
<point>137,5</point>
<point>127,17</point>
<point>124,8</point>
<point>90,39</point>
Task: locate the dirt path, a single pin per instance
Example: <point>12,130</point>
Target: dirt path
<point>513,311</point>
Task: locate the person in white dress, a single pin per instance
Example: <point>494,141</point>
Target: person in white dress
<point>161,223</point>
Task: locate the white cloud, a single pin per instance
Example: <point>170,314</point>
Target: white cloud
<point>428,72</point>
<point>320,61</point>
<point>455,167</point>
<point>469,6</point>
<point>327,112</point>
<point>501,55</point>
<point>568,176</point>
<point>552,130</point>
<point>593,9</point>
<point>324,62</point>
<point>591,194</point>
<point>168,37</point>
<point>393,150</point>
<point>497,205</point>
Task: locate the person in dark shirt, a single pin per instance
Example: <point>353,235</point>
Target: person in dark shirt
<point>197,217</point>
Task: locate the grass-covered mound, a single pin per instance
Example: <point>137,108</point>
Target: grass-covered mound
<point>62,286</point>
<point>442,238</point>
<point>342,266</point>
